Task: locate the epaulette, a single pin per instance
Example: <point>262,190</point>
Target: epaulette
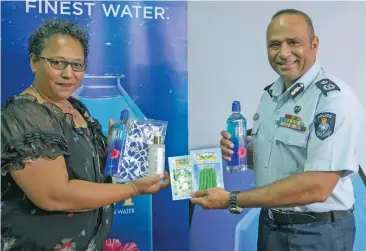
<point>326,85</point>
<point>267,88</point>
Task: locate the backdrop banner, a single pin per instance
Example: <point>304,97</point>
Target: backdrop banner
<point>137,61</point>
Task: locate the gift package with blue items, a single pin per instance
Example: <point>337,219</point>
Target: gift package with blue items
<point>201,169</point>
<point>131,142</point>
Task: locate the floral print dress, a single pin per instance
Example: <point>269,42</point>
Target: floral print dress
<point>30,131</point>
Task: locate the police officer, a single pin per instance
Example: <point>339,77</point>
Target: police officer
<point>305,135</point>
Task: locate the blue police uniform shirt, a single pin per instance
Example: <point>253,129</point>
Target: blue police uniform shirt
<point>314,125</point>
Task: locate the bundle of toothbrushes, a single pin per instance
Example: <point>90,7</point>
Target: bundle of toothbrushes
<point>128,148</point>
<point>202,169</point>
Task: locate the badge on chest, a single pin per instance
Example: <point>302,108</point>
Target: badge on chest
<point>292,122</point>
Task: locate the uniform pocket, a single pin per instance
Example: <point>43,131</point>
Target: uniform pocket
<point>255,130</point>
<point>291,137</point>
<point>256,125</point>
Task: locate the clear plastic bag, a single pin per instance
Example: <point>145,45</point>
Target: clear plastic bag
<point>133,158</point>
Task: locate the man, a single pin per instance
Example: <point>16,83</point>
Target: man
<point>305,137</point>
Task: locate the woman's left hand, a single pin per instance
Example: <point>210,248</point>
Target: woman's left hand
<point>110,129</point>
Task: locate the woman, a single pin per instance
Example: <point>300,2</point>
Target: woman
<point>54,195</point>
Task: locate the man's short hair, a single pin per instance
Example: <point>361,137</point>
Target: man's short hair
<point>294,11</point>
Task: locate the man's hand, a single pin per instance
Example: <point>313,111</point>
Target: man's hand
<point>151,185</point>
<point>213,198</point>
<point>226,145</point>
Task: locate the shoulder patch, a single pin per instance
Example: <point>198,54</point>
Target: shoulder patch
<point>267,88</point>
<point>324,124</point>
<point>326,85</point>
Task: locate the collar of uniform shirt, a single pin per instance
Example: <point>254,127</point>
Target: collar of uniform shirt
<point>306,79</point>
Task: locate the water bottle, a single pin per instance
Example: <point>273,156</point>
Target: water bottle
<point>117,145</point>
<point>237,127</point>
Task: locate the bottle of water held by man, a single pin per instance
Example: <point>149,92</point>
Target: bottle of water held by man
<point>237,127</point>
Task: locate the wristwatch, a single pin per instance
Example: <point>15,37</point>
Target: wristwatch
<point>233,206</point>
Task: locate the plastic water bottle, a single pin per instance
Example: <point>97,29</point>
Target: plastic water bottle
<point>117,143</point>
<point>237,127</point>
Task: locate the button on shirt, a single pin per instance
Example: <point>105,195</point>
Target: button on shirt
<point>323,135</point>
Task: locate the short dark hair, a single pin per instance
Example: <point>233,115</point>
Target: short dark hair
<point>49,28</point>
<point>294,11</point>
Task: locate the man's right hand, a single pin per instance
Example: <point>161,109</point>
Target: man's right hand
<point>226,145</point>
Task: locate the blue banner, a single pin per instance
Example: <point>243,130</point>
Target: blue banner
<point>137,60</point>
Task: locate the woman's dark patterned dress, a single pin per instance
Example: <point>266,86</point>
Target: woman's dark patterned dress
<point>31,130</point>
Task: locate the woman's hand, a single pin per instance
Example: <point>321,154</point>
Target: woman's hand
<point>151,185</point>
<point>110,129</point>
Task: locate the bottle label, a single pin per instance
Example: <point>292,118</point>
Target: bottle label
<point>156,161</point>
<point>239,156</point>
<point>239,131</point>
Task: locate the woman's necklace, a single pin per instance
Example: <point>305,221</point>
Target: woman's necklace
<point>67,104</point>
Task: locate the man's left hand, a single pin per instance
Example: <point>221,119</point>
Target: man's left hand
<point>213,198</point>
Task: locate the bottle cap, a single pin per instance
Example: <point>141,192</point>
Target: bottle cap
<point>124,114</point>
<point>236,106</point>
<point>158,139</point>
